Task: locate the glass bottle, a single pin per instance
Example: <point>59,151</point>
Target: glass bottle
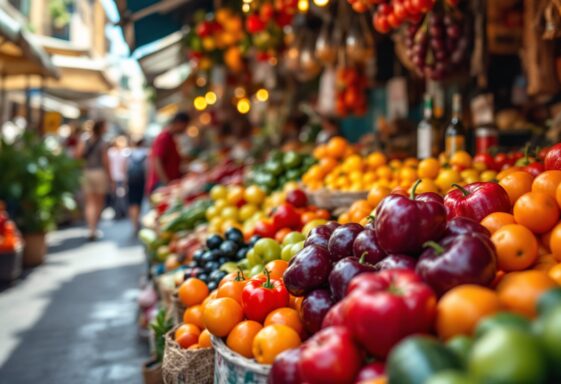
<point>455,136</point>
<point>427,131</point>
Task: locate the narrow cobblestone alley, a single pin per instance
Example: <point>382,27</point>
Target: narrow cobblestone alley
<point>73,319</point>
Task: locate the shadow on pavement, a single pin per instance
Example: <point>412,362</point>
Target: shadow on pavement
<point>88,334</point>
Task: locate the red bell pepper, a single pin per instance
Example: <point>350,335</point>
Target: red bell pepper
<point>382,308</point>
<point>476,200</point>
<point>262,295</point>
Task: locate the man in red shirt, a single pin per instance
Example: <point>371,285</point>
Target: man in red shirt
<point>164,158</point>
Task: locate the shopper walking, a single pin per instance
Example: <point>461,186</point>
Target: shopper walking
<point>117,155</point>
<point>96,179</point>
<point>136,178</point>
<point>165,161</point>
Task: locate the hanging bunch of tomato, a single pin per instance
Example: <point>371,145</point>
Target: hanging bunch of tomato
<point>216,38</point>
<point>264,24</point>
<point>350,91</point>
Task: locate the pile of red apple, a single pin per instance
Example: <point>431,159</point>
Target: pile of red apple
<point>367,288</point>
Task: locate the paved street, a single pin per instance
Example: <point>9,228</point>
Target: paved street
<point>73,320</point>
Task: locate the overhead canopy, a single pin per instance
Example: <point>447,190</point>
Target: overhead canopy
<point>167,54</point>
<point>19,53</point>
<point>81,77</point>
<point>146,21</point>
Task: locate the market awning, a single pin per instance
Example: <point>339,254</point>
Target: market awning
<point>165,55</point>
<point>146,21</point>
<point>19,52</point>
<point>81,77</point>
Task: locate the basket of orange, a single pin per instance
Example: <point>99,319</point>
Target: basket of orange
<point>188,354</point>
<point>229,364</point>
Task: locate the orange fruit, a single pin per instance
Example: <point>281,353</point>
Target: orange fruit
<point>192,291</point>
<point>276,268</point>
<point>505,172</point>
<point>272,340</point>
<point>461,159</point>
<point>376,194</point>
<point>517,247</point>
<point>221,315</point>
<point>516,184</point>
<point>547,182</point>
<point>194,315</point>
<point>204,339</point>
<point>232,289</point>
<point>496,220</point>
<point>555,273</point>
<point>286,316</point>
<point>240,339</point>
<point>327,164</point>
<point>296,302</point>
<point>281,233</point>
<point>336,147</point>
<point>460,309</point>
<point>537,211</point>
<point>194,346</point>
<point>558,195</point>
<point>426,185</point>
<point>320,151</point>
<point>210,297</point>
<point>545,262</point>
<point>519,291</point>
<point>187,335</point>
<point>376,159</point>
<point>555,241</point>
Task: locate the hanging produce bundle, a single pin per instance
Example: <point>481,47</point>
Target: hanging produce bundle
<point>216,38</point>
<point>438,43</point>
<point>265,23</point>
<point>350,91</point>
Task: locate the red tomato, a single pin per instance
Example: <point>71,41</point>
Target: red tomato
<point>265,228</point>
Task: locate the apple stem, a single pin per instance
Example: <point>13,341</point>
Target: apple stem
<point>362,257</point>
<point>438,249</point>
<point>465,192</point>
<point>240,274</point>
<point>414,189</point>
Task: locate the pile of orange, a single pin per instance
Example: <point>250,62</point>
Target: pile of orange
<point>219,313</point>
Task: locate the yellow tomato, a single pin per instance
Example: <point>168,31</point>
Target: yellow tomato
<point>229,212</point>
<point>488,175</point>
<point>254,195</point>
<point>218,192</point>
<point>446,177</point>
<point>461,159</point>
<point>235,194</point>
<point>247,211</point>
<point>480,166</point>
<point>428,168</point>
<point>469,174</point>
<point>426,185</point>
<point>290,186</point>
<point>212,212</point>
<point>384,172</point>
<point>220,204</point>
<point>411,162</point>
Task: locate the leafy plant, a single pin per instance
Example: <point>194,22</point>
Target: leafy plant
<point>161,325</point>
<point>59,12</point>
<point>37,183</point>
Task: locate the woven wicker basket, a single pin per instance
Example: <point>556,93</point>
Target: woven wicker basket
<point>186,366</point>
<point>231,368</point>
<point>333,200</point>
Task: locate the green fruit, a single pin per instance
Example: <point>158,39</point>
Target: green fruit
<point>243,264</point>
<point>257,269</point>
<point>461,346</point>
<point>229,267</point>
<point>290,250</point>
<point>508,356</point>
<point>293,174</point>
<point>502,320</point>
<point>253,258</point>
<point>450,377</point>
<point>549,332</point>
<point>417,358</point>
<point>277,155</point>
<point>549,299</point>
<point>274,168</point>
<point>293,238</point>
<point>291,160</point>
<point>267,250</point>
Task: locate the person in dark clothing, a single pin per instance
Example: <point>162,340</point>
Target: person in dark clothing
<point>136,179</point>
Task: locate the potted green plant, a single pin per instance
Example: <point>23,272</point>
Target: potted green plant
<point>152,369</point>
<point>38,182</point>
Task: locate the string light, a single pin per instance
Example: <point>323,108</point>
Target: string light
<point>239,92</point>
<point>243,106</point>
<point>303,5</point>
<point>210,98</point>
<point>262,95</point>
<point>201,81</point>
<point>192,131</point>
<point>205,118</point>
<point>200,103</point>
<point>321,3</point>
